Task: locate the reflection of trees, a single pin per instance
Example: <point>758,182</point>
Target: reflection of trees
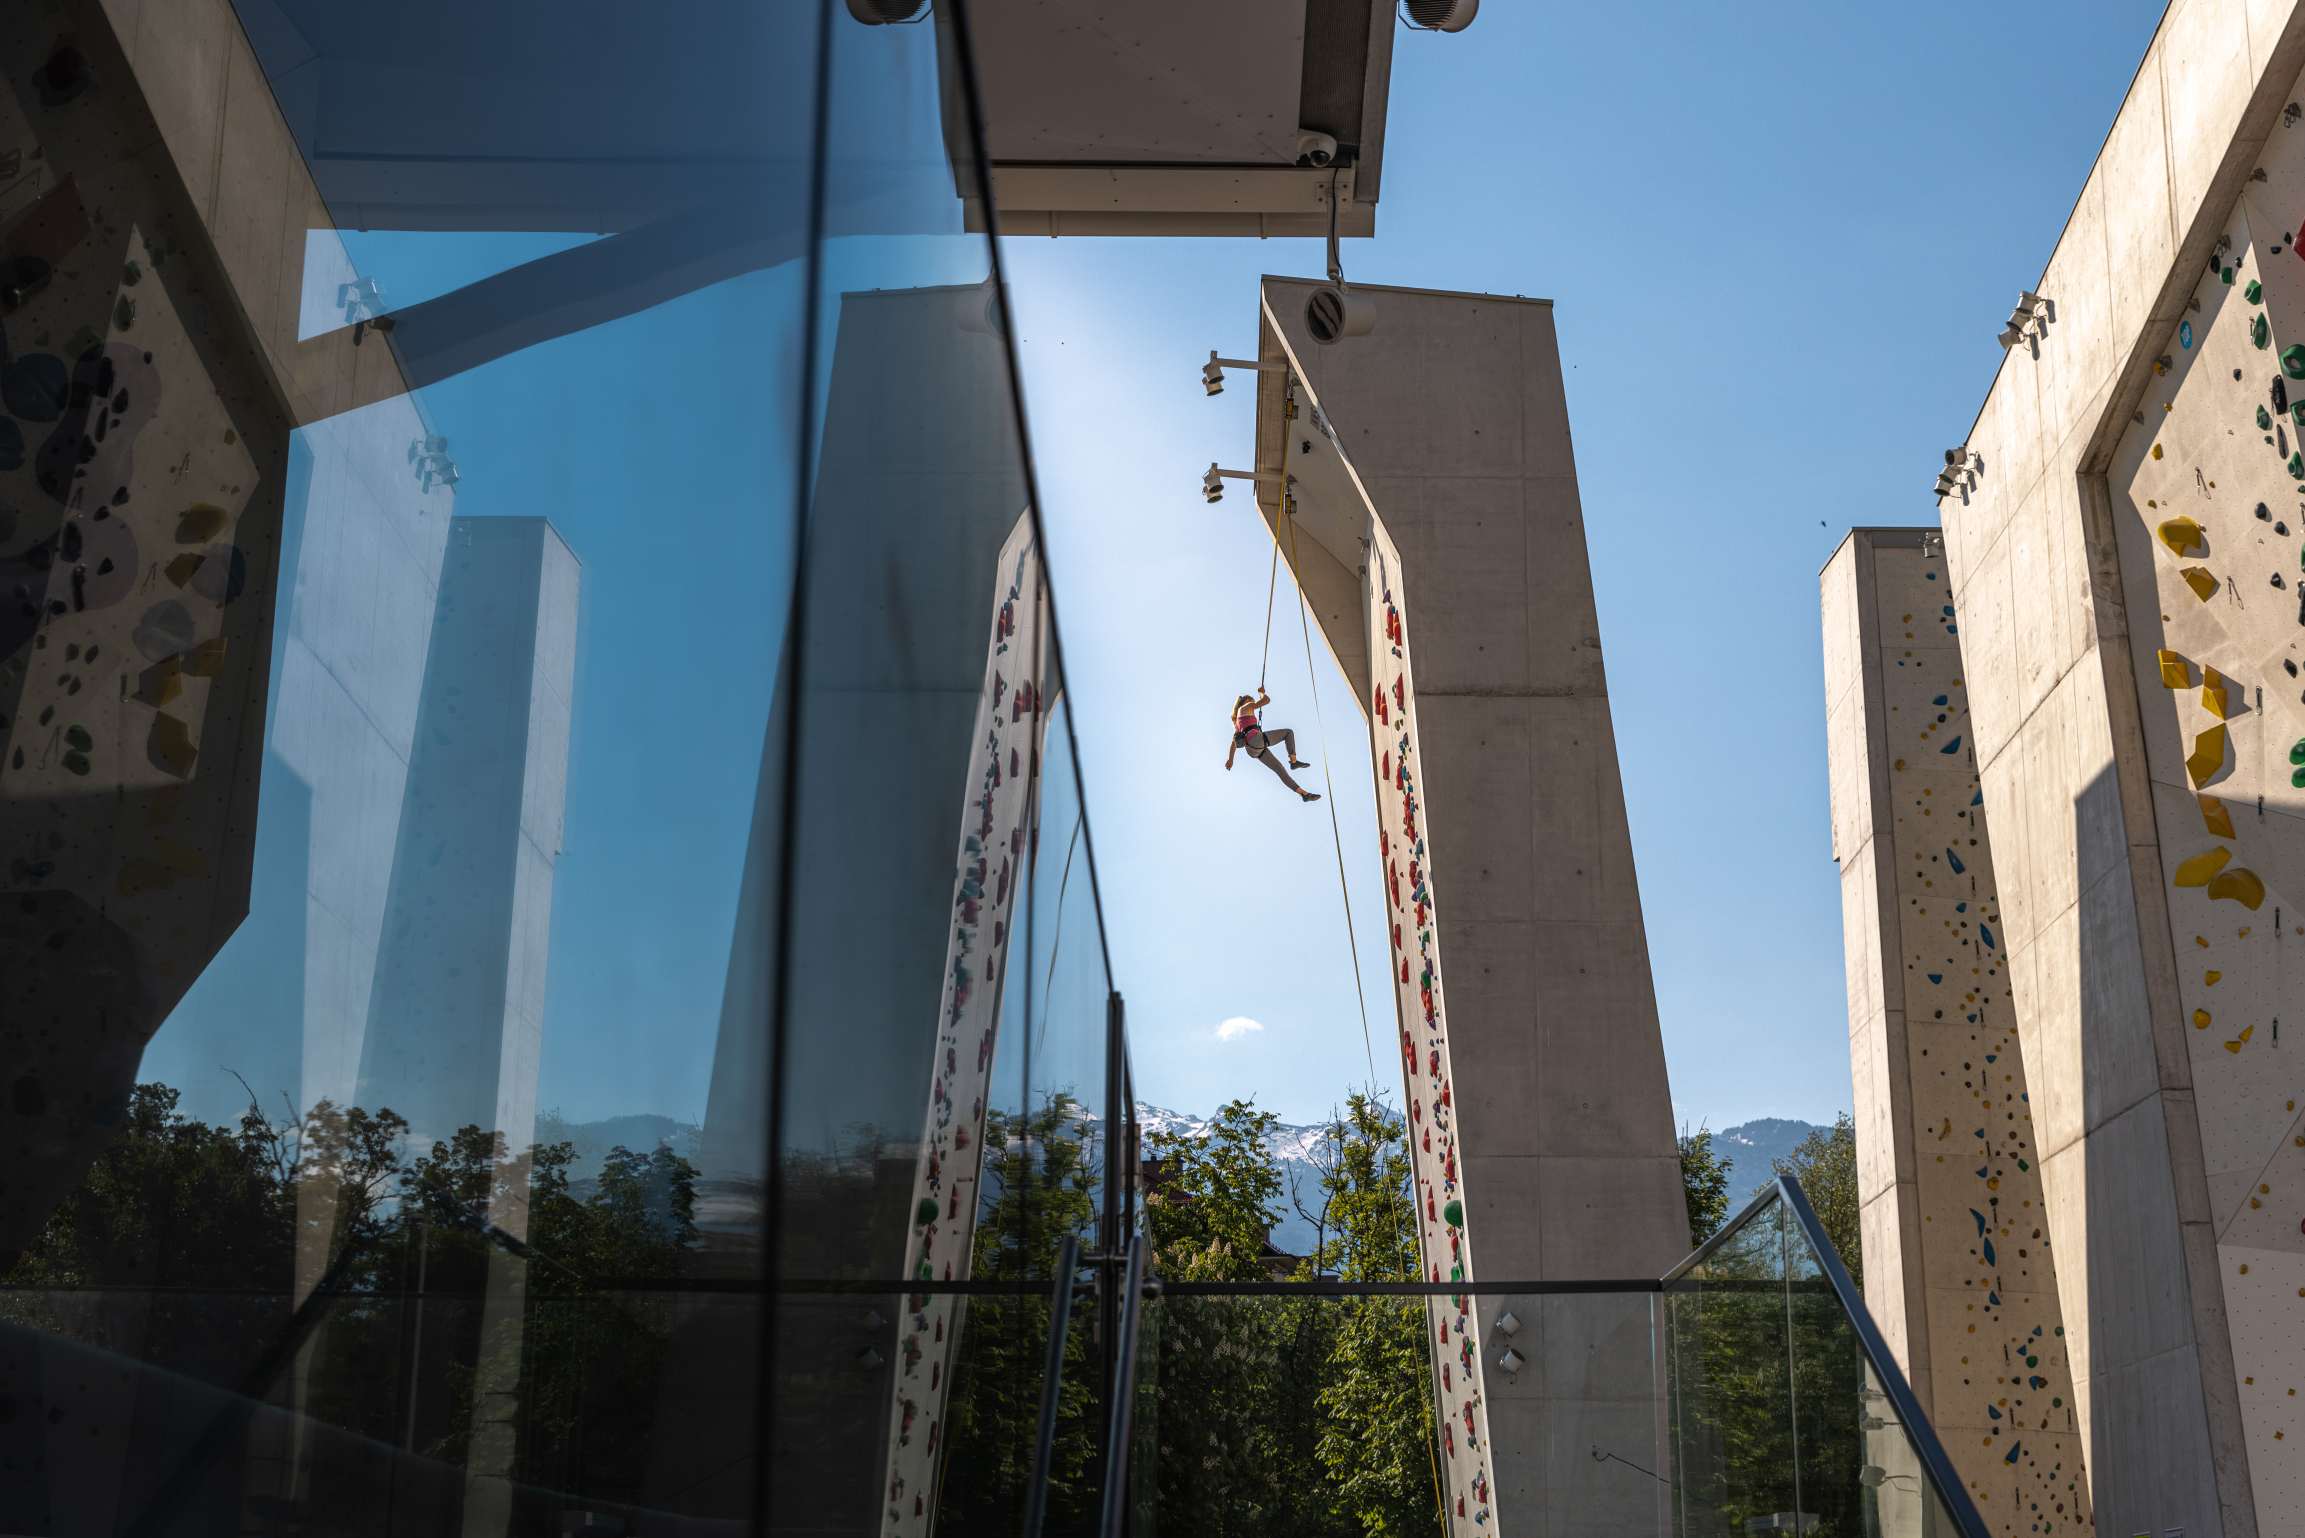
<point>180,1249</point>
<point>1742,1413</point>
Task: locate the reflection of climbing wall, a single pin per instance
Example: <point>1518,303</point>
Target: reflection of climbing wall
<point>1424,1041</point>
<point>140,470</point>
<point>2211,516</point>
<point>994,861</point>
<point>1958,1270</point>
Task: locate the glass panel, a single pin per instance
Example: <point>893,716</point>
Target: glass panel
<point>1861,1473</point>
<point>435,578</point>
<point>1730,1394</point>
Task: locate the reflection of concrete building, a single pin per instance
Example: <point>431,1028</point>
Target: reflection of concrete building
<point>457,1016</point>
<point>1959,1268</point>
<point>2122,529</point>
<point>1541,1120</point>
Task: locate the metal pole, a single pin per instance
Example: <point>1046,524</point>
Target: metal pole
<point>1116,1463</point>
<point>1052,1384</point>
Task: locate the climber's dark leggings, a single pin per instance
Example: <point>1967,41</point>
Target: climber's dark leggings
<point>1260,746</point>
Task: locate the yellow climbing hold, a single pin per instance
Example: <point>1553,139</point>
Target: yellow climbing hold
<point>2215,817</point>
<point>2156,451</point>
<point>2246,1032</point>
<point>2241,884</point>
<point>2181,534</point>
<point>2176,672</point>
<point>2197,870</point>
<point>2197,578</point>
<point>2207,757</point>
<point>2210,979</point>
<point>2215,697</point>
<point>2200,1019</point>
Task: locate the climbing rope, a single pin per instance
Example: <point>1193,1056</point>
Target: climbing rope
<point>1272,585</point>
<point>1287,517</point>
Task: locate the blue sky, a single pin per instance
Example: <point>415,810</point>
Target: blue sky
<point>1779,241</point>
<point>1779,248</point>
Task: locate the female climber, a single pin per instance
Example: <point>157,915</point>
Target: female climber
<point>1247,733</point>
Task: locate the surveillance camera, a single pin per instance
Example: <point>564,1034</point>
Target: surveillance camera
<point>1213,486</point>
<point>1333,311</point>
<point>1315,148</point>
<point>1213,375</point>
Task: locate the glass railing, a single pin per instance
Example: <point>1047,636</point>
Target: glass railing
<point>1745,1393</point>
<point>1787,1413</point>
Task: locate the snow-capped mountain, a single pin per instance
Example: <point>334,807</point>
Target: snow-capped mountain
<point>1750,1147</point>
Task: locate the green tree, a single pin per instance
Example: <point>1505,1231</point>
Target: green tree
<point>1218,1196</point>
<point>1375,1399</point>
<point>1825,1163</point>
<point>1705,1183</point>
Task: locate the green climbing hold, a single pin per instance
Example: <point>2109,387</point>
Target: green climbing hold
<point>2297,778</point>
<point>1456,1273</point>
<point>2297,752</point>
<point>1454,1212</point>
<point>2227,276</point>
<point>2255,292</point>
<point>2297,467</point>
<point>2261,332</point>
<point>2293,360</point>
<point>2264,420</point>
<point>2297,412</point>
<point>926,1211</point>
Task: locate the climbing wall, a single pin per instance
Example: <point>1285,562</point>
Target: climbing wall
<point>993,862</point>
<point>1958,1268</point>
<point>1414,928</point>
<point>140,483</point>
<point>2208,494</point>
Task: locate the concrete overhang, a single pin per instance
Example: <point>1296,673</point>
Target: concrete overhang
<point>1105,118</point>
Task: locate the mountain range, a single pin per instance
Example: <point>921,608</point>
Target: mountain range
<point>1750,1147</point>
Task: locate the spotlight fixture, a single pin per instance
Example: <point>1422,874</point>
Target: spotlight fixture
<point>2028,322</point>
<point>1213,483</point>
<point>1512,1361</point>
<point>1213,371</point>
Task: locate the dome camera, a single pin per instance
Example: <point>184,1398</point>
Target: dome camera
<point>1315,148</point>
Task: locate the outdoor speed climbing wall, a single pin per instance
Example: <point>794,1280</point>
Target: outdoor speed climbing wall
<point>2208,492</point>
<point>1436,500</point>
<point>1958,1267</point>
<point>1413,925</point>
<point>993,861</point>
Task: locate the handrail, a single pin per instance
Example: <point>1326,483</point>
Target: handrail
<point>1943,1478</point>
<point>1052,1384</point>
<point>1122,1418</point>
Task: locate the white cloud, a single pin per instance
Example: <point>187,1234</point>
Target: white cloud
<point>1237,1027</point>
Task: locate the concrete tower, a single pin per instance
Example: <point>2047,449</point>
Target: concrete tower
<point>1437,521</point>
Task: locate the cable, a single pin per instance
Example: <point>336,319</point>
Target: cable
<point>1272,586</point>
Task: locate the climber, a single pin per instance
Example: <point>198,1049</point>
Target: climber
<point>1248,734</point>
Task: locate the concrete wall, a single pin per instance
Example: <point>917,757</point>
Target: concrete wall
<point>1451,418</point>
<point>1958,1266</point>
<point>2180,1372</point>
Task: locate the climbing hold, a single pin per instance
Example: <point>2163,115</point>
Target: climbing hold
<point>2156,451</point>
<point>2293,360</point>
<point>2199,579</point>
<point>2247,1031</point>
<point>2264,513</point>
<point>2207,757</point>
<point>2176,672</point>
<point>2210,978</point>
<point>2260,332</point>
<point>2254,292</point>
<point>2264,425</point>
<point>926,1211</point>
<point>2241,884</point>
<point>2182,535</point>
<point>2297,751</point>
<point>2200,1019</point>
<point>2215,817</point>
<point>2185,334</point>
<point>1454,1214</point>
<point>2216,698</point>
<point>2197,870</point>
<point>2280,394</point>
